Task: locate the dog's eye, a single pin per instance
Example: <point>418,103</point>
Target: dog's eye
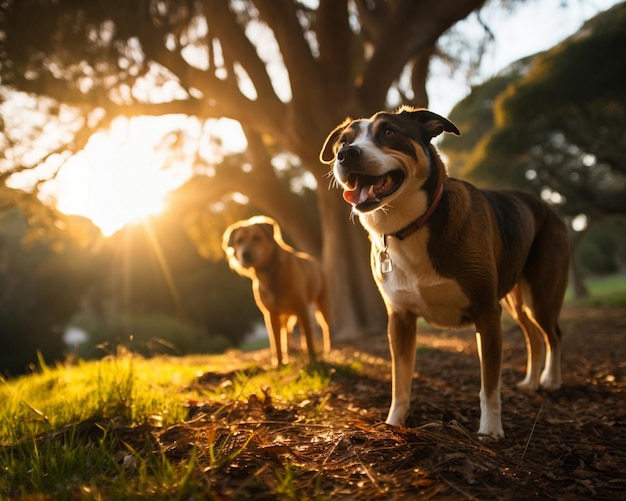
<point>389,132</point>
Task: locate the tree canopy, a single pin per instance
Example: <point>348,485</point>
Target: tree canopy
<point>558,122</point>
<point>288,71</point>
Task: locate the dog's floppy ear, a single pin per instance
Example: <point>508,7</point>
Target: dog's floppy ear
<point>228,239</point>
<point>433,124</point>
<point>228,244</point>
<point>327,155</point>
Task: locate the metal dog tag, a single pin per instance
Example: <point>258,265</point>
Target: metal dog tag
<point>385,262</point>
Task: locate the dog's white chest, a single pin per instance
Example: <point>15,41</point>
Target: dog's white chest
<point>410,283</point>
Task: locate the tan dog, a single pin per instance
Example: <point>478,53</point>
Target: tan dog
<point>285,283</point>
<point>448,252</point>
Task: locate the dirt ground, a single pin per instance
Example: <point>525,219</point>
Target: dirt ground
<point>566,445</point>
<point>570,444</point>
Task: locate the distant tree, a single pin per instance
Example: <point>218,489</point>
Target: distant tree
<point>560,127</point>
<point>603,251</point>
<point>474,116</point>
<point>45,270</point>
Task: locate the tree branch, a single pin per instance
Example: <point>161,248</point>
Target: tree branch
<point>419,76</point>
<point>337,63</point>
<point>373,16</point>
<point>304,75</point>
<point>237,47</point>
<point>411,26</point>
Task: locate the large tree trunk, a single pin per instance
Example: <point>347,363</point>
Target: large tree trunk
<point>356,305</point>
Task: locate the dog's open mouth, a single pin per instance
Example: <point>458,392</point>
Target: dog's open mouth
<point>364,191</point>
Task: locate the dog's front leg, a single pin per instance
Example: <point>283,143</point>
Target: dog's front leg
<point>489,343</point>
<point>402,331</point>
<point>273,326</point>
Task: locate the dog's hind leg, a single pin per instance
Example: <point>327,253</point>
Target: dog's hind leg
<point>402,333</point>
<point>321,320</point>
<point>514,303</point>
<point>305,321</point>
<point>545,318</point>
<point>322,315</point>
<point>551,376</point>
<point>544,284</point>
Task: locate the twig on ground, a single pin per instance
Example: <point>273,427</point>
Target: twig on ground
<point>532,430</point>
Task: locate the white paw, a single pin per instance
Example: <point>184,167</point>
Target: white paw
<point>490,434</point>
<point>528,385</point>
<point>397,415</point>
<point>549,382</point>
<point>490,420</point>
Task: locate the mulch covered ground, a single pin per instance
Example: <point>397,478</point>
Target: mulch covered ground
<point>566,445</point>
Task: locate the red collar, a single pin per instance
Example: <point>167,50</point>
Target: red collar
<point>412,227</point>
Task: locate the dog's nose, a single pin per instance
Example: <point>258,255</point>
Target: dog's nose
<point>348,153</point>
<point>247,256</point>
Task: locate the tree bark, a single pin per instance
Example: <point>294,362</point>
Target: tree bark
<point>357,307</point>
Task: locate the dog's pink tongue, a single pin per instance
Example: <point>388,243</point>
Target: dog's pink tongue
<point>357,196</point>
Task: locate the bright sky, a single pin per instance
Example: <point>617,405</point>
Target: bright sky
<point>533,27</point>
<point>122,176</point>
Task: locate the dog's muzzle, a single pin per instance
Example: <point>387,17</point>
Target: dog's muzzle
<point>364,191</point>
<point>247,257</point>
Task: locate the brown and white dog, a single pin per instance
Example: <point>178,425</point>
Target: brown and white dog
<point>448,252</point>
<point>285,283</point>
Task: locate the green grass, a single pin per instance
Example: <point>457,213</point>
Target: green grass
<point>42,448</point>
<point>59,427</point>
<point>603,291</point>
<point>126,387</point>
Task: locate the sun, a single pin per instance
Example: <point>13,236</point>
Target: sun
<point>124,174</point>
<point>118,178</point>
